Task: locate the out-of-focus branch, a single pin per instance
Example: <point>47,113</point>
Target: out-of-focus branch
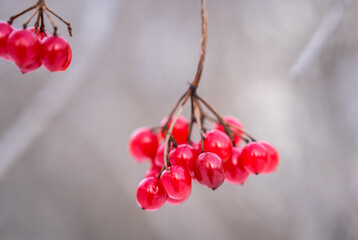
<point>314,47</point>
<point>55,94</point>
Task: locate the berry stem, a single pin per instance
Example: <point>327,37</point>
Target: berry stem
<point>178,108</point>
<point>31,17</point>
<point>219,118</point>
<point>12,18</point>
<point>69,28</point>
<point>40,7</point>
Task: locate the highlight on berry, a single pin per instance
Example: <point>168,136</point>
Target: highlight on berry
<point>224,152</point>
<point>31,48</point>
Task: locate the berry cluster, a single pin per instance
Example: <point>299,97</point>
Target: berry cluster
<point>176,159</point>
<point>30,48</point>
<point>210,162</point>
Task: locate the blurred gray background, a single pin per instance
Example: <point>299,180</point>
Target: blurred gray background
<point>65,172</point>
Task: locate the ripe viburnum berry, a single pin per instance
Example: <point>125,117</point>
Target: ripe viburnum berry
<point>234,121</point>
<point>185,156</point>
<point>180,131</point>
<point>24,48</point>
<point>177,182</point>
<point>143,144</point>
<point>56,53</point>
<point>159,156</point>
<point>209,170</point>
<point>219,143</point>
<point>5,30</point>
<point>254,157</point>
<point>273,157</point>
<point>234,171</point>
<point>151,194</point>
<point>176,202</point>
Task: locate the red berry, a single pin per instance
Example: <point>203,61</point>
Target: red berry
<point>177,182</point>
<point>143,144</point>
<point>24,48</point>
<point>209,170</point>
<point>234,171</point>
<point>185,156</point>
<point>233,121</point>
<point>219,143</point>
<point>180,130</point>
<point>56,53</point>
<point>159,156</point>
<point>176,202</point>
<point>151,194</point>
<point>197,147</point>
<point>40,35</point>
<point>255,158</point>
<point>153,171</point>
<point>5,30</point>
<point>273,157</point>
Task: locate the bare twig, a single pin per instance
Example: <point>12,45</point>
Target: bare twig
<point>319,39</point>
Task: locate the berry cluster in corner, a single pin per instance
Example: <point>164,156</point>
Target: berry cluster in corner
<point>175,159</point>
<point>30,48</point>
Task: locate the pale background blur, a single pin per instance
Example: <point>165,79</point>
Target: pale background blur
<point>65,172</point>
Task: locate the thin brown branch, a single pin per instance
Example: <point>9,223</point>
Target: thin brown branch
<point>12,18</point>
<point>51,21</point>
<point>31,17</point>
<point>178,108</point>
<point>69,28</point>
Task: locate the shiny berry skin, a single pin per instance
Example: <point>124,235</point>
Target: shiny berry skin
<point>185,156</point>
<point>234,121</point>
<point>177,182</point>
<point>143,144</point>
<point>56,53</point>
<point>273,157</point>
<point>5,30</point>
<point>153,171</point>
<point>24,48</point>
<point>159,156</point>
<point>209,170</point>
<point>254,157</point>
<point>235,173</point>
<point>180,130</point>
<point>176,202</point>
<point>151,194</point>
<point>219,143</point>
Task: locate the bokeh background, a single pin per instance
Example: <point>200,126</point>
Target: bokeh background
<point>65,172</point>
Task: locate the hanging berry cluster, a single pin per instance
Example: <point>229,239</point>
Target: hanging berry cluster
<point>30,48</point>
<point>176,160</point>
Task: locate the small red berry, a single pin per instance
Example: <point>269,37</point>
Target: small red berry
<point>273,157</point>
<point>219,143</point>
<point>159,156</point>
<point>180,131</point>
<point>5,30</point>
<point>209,170</point>
<point>24,48</point>
<point>255,158</point>
<point>185,156</point>
<point>234,171</point>
<point>176,202</point>
<point>234,121</point>
<point>177,182</point>
<point>151,194</point>
<point>143,144</point>
<point>56,53</point>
